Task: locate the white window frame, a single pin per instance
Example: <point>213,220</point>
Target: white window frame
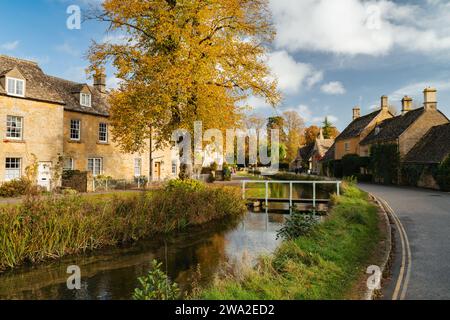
<point>13,173</point>
<point>69,167</point>
<point>10,120</point>
<point>138,167</point>
<point>85,99</point>
<point>97,163</point>
<point>105,132</point>
<point>15,90</point>
<point>73,130</point>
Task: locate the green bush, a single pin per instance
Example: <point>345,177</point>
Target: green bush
<point>351,165</point>
<point>184,185</point>
<point>226,172</point>
<point>156,286</point>
<point>411,174</point>
<point>297,225</point>
<point>443,175</point>
<point>18,187</point>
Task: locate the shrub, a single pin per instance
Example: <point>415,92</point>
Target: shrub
<point>156,285</point>
<point>226,172</point>
<point>351,165</point>
<point>184,185</point>
<point>411,174</point>
<point>296,226</point>
<point>443,175</point>
<point>18,187</point>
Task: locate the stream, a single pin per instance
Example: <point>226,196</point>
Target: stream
<point>192,257</point>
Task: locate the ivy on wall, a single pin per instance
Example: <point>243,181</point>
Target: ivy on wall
<point>443,175</point>
<point>385,163</point>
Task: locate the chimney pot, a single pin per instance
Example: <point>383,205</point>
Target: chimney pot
<point>406,104</point>
<point>384,103</point>
<point>430,98</point>
<point>356,113</point>
<point>100,81</point>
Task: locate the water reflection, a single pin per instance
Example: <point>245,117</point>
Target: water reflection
<point>112,273</point>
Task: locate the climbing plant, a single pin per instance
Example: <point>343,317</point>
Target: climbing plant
<point>385,163</point>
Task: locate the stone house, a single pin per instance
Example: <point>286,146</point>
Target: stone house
<point>303,161</point>
<point>45,119</point>
<point>321,147</point>
<point>348,142</point>
<point>431,151</point>
<point>406,129</point>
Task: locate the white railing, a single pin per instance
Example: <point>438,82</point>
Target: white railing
<point>291,185</point>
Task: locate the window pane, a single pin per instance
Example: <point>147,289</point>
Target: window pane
<point>75,129</point>
<point>19,87</point>
<point>12,168</point>
<point>103,132</point>
<point>14,127</point>
<point>137,167</point>
<point>11,86</point>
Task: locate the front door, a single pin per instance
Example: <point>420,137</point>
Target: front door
<point>157,176</point>
<point>45,175</point>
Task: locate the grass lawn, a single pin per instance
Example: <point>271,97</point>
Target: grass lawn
<point>326,264</point>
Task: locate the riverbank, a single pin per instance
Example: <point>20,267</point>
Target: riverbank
<point>49,228</point>
<point>325,264</point>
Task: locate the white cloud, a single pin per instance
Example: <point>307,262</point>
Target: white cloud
<point>66,48</point>
<point>373,27</point>
<point>415,90</point>
<point>292,75</point>
<point>333,88</point>
<point>10,46</point>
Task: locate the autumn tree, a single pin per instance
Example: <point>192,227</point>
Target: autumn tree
<point>311,134</point>
<point>329,130</point>
<point>294,128</point>
<point>183,61</point>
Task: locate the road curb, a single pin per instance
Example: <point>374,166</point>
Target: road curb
<point>369,294</point>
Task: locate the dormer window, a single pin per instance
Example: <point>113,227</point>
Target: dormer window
<point>85,99</point>
<point>377,131</point>
<point>15,87</point>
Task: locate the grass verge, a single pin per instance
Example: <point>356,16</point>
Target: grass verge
<point>325,264</point>
<point>49,228</point>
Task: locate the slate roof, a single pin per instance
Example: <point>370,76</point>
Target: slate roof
<point>356,127</point>
<point>391,129</point>
<point>68,89</point>
<point>42,87</point>
<point>434,147</point>
<point>37,84</point>
<point>305,153</point>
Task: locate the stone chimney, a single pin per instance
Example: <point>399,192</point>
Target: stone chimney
<point>384,103</point>
<point>406,104</point>
<point>356,113</point>
<point>430,99</point>
<point>100,81</point>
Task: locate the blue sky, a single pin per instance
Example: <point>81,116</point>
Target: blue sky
<point>328,55</point>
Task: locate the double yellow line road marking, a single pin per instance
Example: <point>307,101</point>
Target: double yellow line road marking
<point>401,286</point>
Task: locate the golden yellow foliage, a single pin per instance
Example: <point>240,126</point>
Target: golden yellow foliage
<point>184,61</point>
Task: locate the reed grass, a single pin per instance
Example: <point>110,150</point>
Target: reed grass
<point>49,228</point>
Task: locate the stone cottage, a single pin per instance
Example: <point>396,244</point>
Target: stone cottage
<point>45,119</point>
